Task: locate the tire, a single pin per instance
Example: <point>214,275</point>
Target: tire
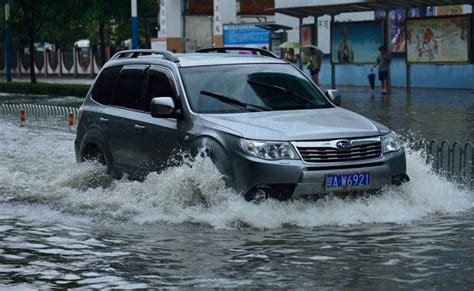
<point>93,153</point>
<point>257,196</point>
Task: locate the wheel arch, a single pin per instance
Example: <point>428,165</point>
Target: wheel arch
<point>217,151</point>
<point>94,140</point>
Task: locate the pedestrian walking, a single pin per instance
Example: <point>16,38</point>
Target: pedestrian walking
<point>383,61</point>
<point>290,56</point>
<point>314,65</point>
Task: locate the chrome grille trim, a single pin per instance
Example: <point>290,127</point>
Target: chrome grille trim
<point>328,152</point>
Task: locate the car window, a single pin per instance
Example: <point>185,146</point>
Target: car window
<point>104,86</point>
<point>250,87</point>
<point>129,87</point>
<point>159,85</point>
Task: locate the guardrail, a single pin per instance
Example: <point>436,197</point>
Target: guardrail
<point>456,160</point>
<point>59,117</point>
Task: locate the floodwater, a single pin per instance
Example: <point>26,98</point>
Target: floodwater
<point>440,114</point>
<point>70,226</point>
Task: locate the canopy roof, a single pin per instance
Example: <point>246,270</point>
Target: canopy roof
<point>327,7</point>
<point>273,27</point>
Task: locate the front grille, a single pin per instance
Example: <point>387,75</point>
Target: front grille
<point>327,152</point>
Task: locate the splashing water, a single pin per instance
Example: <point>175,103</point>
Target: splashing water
<point>39,167</point>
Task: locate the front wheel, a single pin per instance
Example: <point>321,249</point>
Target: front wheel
<point>92,153</point>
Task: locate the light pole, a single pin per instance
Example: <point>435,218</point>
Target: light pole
<point>8,43</point>
<point>134,25</point>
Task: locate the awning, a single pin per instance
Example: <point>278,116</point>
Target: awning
<point>327,7</point>
<point>273,27</point>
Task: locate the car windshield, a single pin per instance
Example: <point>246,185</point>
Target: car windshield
<point>250,88</point>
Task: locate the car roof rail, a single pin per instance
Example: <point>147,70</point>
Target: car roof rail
<point>226,49</point>
<point>141,52</point>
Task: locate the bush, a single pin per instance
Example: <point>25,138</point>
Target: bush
<point>77,90</point>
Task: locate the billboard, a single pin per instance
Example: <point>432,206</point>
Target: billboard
<point>246,35</point>
<point>397,29</point>
<point>438,40</point>
<point>356,42</point>
<point>306,34</point>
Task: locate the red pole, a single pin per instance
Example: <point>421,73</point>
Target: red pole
<point>22,116</point>
<point>70,120</point>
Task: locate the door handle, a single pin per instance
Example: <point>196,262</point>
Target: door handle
<point>103,120</point>
<point>139,127</point>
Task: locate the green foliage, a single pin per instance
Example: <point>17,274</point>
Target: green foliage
<point>63,22</point>
<point>45,89</point>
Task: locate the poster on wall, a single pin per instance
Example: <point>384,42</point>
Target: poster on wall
<point>306,34</point>
<point>438,40</point>
<point>397,29</point>
<point>356,42</point>
<point>449,10</point>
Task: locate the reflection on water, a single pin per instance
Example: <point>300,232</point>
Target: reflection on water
<point>66,225</point>
<point>69,101</point>
<point>65,252</point>
<point>442,114</point>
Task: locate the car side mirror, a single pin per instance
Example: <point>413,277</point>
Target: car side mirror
<point>335,96</point>
<point>162,107</point>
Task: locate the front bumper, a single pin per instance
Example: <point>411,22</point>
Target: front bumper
<point>309,179</point>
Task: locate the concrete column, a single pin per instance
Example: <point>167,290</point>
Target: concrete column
<point>225,11</point>
<point>217,28</point>
<point>173,25</point>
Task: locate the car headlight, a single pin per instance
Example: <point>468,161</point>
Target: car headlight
<point>391,142</point>
<point>269,150</point>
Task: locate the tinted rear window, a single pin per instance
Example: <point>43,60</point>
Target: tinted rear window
<point>104,87</point>
<point>129,87</point>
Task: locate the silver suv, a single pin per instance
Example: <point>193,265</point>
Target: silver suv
<point>267,127</point>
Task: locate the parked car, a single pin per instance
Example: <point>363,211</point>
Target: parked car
<point>267,127</point>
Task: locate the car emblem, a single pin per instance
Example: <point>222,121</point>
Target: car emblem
<point>343,145</point>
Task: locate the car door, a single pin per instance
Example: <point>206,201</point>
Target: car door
<point>159,139</point>
<point>119,118</point>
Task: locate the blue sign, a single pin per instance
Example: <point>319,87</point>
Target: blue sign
<point>247,35</point>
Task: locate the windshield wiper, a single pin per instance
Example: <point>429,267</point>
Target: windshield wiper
<point>232,101</point>
<point>268,85</point>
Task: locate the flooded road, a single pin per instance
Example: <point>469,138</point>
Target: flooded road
<point>430,114</point>
<point>69,226</point>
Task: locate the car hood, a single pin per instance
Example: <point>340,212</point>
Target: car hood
<point>330,123</point>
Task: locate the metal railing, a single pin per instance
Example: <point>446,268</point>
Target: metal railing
<point>59,117</point>
<point>454,160</point>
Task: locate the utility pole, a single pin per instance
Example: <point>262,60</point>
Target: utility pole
<point>8,43</point>
<point>134,25</point>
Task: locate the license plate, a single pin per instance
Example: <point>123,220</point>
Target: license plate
<point>347,181</point>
